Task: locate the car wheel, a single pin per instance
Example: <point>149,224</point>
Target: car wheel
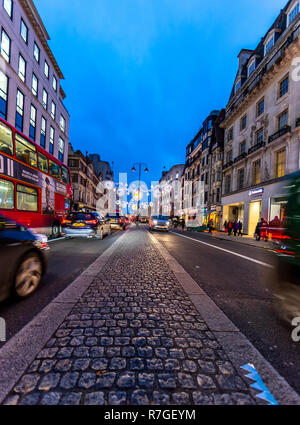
<point>55,230</point>
<point>101,234</point>
<point>28,275</point>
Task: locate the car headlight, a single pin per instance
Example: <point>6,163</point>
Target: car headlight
<point>155,222</point>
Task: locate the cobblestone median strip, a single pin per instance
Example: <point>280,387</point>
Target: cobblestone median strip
<point>133,337</point>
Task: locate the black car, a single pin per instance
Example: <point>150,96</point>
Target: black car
<point>23,259</point>
<point>85,225</point>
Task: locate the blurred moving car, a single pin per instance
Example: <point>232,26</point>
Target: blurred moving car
<point>23,259</point>
<point>285,282</point>
<point>85,225</point>
<point>159,222</point>
<point>144,220</point>
<point>116,221</point>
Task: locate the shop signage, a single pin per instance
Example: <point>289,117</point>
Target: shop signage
<point>256,192</point>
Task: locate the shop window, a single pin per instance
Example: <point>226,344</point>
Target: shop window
<point>27,198</point>
<point>280,163</point>
<point>7,195</point>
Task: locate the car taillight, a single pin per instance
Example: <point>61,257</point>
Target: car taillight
<point>66,221</point>
<point>120,221</point>
<point>91,221</point>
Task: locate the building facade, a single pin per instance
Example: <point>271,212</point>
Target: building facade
<point>201,183</point>
<point>102,168</point>
<point>85,181</point>
<point>262,125</point>
<point>31,97</point>
<point>169,200</point>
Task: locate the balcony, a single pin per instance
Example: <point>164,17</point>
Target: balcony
<point>240,157</point>
<point>298,122</point>
<point>256,147</point>
<point>284,130</point>
<point>229,164</point>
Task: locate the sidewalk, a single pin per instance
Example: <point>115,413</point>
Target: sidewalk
<point>245,240</point>
<point>134,337</point>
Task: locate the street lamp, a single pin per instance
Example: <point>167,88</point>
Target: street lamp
<point>146,170</point>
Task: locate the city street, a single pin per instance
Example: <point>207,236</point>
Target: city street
<point>136,329</point>
<point>68,259</point>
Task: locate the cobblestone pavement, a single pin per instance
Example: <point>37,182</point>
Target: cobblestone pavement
<point>135,338</point>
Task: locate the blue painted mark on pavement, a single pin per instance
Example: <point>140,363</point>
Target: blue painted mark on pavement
<point>259,385</point>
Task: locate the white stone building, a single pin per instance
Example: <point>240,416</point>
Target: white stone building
<point>31,97</point>
<point>262,125</point>
<point>169,199</point>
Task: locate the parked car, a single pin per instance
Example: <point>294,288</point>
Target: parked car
<point>85,225</point>
<point>23,259</point>
<point>159,222</point>
<point>116,221</point>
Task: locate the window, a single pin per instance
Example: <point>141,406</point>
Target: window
<point>269,43</point>
<point>54,83</point>
<point>260,107</point>
<point>3,95</point>
<point>43,163</point>
<point>294,12</point>
<point>5,46</point>
<point>24,31</point>
<point>20,110</point>
<point>25,151</point>
<point>7,195</point>
<point>280,163</point>
<point>244,122</point>
<point>6,140</point>
<point>229,156</point>
<point>256,173</point>
<point>45,99</point>
<point>260,136</point>
<point>43,133</point>
<point>283,120</point>
<point>51,140</point>
<point>27,198</point>
<point>227,187</point>
<point>241,175</point>
<point>251,67</point>
<point>46,70</point>
<point>238,86</point>
<point>61,149</point>
<point>53,110</point>
<point>62,124</point>
<point>8,6</point>
<point>54,169</point>
<point>22,68</point>
<point>65,175</point>
<point>230,134</point>
<point>35,85</point>
<point>243,147</point>
<point>284,86</point>
<point>32,125</point>
<point>36,52</point>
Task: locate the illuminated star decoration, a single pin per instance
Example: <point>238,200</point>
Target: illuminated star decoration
<point>259,385</point>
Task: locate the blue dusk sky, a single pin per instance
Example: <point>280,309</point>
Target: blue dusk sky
<point>142,75</point>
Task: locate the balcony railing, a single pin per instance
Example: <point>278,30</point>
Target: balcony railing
<point>256,147</point>
<point>297,122</point>
<point>281,132</point>
<point>229,164</point>
<point>240,157</point>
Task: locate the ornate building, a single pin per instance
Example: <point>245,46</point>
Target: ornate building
<point>262,125</point>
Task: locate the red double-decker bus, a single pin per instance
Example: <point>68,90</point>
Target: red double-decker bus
<point>35,187</point>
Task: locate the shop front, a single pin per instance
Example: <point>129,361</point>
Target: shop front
<point>214,215</point>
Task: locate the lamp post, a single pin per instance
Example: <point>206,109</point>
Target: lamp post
<point>146,170</point>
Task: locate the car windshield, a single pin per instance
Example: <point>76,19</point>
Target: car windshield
<point>113,216</point>
<point>160,217</point>
<point>80,216</point>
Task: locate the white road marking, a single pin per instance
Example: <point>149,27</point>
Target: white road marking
<point>226,250</point>
<point>56,240</point>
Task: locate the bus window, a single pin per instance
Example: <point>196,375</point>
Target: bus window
<point>6,140</point>
<point>25,151</point>
<point>65,175</point>
<point>7,195</point>
<point>54,169</point>
<point>43,163</point>
<point>27,198</point>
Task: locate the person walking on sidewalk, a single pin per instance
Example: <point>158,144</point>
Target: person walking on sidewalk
<point>182,223</point>
<point>229,228</point>
<point>240,229</point>
<point>226,226</point>
<point>210,226</point>
<point>235,228</point>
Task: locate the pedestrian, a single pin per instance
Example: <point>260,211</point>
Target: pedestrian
<point>225,226</point>
<point>258,231</point>
<point>235,227</point>
<point>182,223</point>
<point>229,228</point>
<point>240,229</point>
<point>210,226</point>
